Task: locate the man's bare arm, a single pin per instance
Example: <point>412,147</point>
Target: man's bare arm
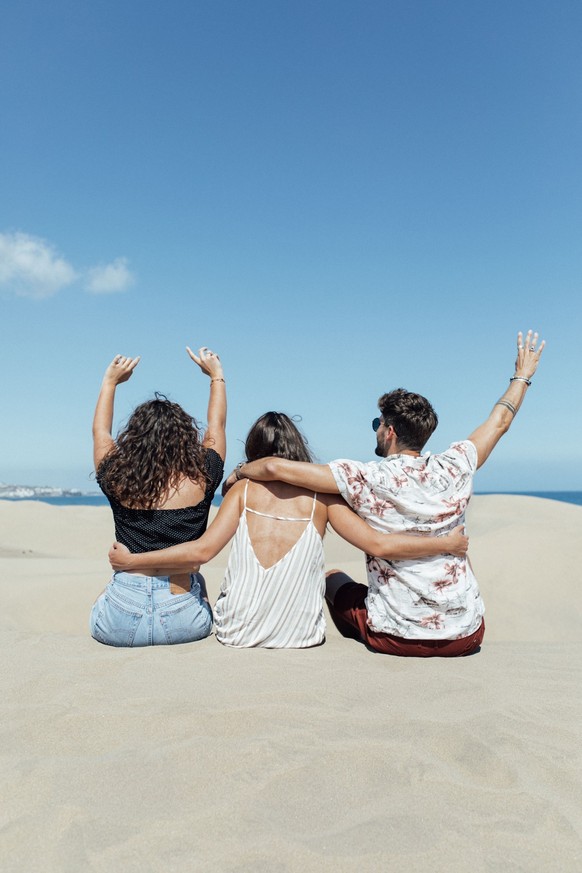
<point>487,435</point>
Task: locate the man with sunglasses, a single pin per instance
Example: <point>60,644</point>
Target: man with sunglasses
<point>424,607</point>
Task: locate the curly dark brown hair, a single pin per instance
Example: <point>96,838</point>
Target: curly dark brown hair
<point>160,445</point>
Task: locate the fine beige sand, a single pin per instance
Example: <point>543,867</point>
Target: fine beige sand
<point>202,758</point>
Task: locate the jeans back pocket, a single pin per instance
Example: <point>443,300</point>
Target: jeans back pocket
<point>186,622</point>
<point>114,622</point>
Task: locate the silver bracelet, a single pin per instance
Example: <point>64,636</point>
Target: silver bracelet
<point>520,379</point>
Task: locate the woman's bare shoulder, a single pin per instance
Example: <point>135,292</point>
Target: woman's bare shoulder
<point>271,494</point>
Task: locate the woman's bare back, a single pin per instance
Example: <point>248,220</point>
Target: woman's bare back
<point>186,493</point>
<point>272,538</point>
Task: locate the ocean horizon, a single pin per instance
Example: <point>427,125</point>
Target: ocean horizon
<point>574,497</point>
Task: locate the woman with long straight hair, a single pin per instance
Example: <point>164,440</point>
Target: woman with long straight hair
<point>273,590</point>
<point>159,476</point>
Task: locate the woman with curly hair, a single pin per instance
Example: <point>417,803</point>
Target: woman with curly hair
<point>272,594</point>
<point>159,476</point>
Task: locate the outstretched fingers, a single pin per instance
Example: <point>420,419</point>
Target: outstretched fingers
<point>194,357</point>
<point>126,363</point>
<point>121,368</point>
<point>207,360</point>
<point>203,354</point>
<point>528,353</point>
<point>531,343</point>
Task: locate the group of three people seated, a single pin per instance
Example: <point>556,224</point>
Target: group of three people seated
<point>406,511</point>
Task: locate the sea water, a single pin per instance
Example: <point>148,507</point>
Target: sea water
<point>99,500</point>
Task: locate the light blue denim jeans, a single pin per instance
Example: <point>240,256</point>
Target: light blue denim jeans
<point>142,611</point>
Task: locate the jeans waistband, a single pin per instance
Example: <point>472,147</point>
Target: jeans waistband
<point>145,583</point>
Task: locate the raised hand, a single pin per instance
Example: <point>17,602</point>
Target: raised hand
<point>528,354</point>
<point>208,361</point>
<point>120,369</point>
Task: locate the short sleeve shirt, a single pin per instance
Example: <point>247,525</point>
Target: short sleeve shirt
<point>421,598</point>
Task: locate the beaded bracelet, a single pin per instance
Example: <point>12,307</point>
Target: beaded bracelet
<point>216,380</point>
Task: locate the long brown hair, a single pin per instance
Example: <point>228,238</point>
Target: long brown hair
<point>275,434</point>
<point>160,445</point>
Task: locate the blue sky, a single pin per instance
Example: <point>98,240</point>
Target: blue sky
<point>338,197</point>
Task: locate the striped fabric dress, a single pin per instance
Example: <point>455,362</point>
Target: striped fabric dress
<point>278,607</point>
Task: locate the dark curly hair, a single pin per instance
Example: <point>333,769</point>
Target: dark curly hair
<point>411,416</point>
<point>275,434</point>
<point>160,445</point>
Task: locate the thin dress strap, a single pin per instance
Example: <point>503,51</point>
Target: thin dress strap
<point>278,517</point>
<point>313,505</point>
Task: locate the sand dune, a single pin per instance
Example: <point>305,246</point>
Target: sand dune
<point>203,758</point>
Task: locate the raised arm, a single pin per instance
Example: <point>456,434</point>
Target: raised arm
<point>356,531</point>
<point>209,363</point>
<point>118,371</point>
<point>316,477</point>
<point>487,435</point>
<point>185,556</point>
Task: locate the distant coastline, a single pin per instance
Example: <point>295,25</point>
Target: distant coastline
<point>39,492</point>
<point>72,497</point>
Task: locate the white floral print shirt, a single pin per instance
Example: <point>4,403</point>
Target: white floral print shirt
<point>423,598</point>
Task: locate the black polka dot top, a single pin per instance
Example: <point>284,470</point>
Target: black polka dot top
<point>144,530</point>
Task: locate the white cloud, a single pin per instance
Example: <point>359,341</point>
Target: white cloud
<point>110,278</point>
<point>31,267</point>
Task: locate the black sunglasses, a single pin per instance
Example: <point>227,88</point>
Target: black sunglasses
<point>376,424</point>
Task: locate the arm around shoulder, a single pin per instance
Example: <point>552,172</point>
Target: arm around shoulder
<point>315,477</point>
<point>185,556</point>
<point>395,546</point>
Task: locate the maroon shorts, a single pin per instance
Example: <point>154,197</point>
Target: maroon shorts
<point>350,608</point>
